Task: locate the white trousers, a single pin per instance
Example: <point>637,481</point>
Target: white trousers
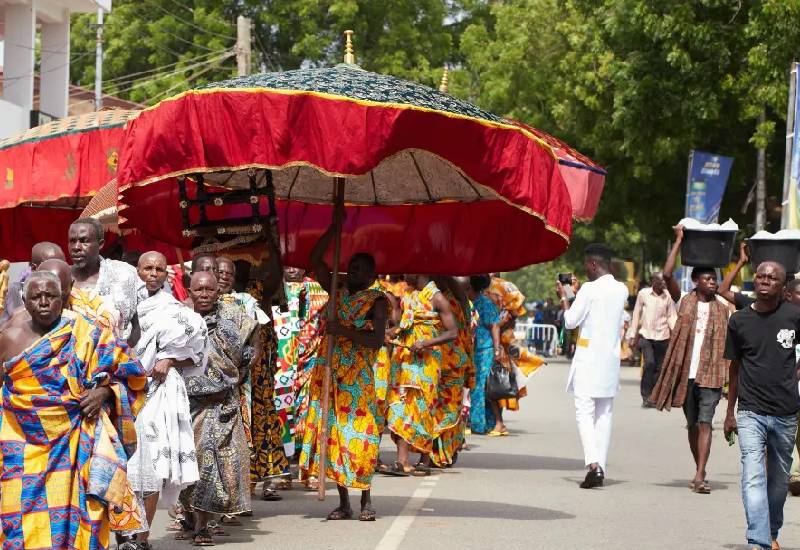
<point>594,425</point>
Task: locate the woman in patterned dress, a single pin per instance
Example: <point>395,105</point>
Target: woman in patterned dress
<point>358,329</point>
<point>487,351</point>
<point>426,326</point>
<point>458,373</point>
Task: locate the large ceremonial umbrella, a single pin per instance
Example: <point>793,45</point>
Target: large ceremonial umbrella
<point>431,184</point>
<point>49,173</point>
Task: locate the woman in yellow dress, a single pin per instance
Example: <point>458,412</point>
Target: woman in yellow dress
<point>426,326</point>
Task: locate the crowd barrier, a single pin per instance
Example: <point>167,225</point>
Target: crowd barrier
<point>535,336</point>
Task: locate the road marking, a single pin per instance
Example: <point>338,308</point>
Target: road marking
<point>402,523</point>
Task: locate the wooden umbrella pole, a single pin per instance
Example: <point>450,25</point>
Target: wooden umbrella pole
<point>338,202</point>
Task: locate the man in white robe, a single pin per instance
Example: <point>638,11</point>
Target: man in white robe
<point>594,376</point>
<point>173,339</point>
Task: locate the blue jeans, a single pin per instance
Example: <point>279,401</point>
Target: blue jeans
<point>765,479</point>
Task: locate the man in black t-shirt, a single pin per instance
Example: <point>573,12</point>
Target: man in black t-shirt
<point>763,377</point>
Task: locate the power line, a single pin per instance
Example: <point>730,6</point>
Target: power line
<point>192,77</point>
<point>139,84</point>
<point>33,73</point>
<point>132,76</point>
<point>185,22</point>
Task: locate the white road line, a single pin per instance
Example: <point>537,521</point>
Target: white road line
<point>397,530</point>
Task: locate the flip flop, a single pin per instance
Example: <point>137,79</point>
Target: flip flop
<point>701,487</point>
<point>495,433</point>
<point>340,513</point>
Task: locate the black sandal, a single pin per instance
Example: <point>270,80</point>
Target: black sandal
<point>340,513</point>
<point>421,470</point>
<point>270,495</point>
<point>397,470</point>
<point>367,514</point>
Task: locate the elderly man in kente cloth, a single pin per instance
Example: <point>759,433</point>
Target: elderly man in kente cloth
<point>40,252</point>
<point>101,284</point>
<point>173,338</point>
<point>70,394</point>
<point>262,426</point>
<point>425,327</point>
<point>223,454</point>
<point>358,329</point>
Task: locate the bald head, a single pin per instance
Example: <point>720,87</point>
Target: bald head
<point>770,282</point>
<point>204,291</point>
<point>152,270</point>
<point>60,269</point>
<point>45,251</point>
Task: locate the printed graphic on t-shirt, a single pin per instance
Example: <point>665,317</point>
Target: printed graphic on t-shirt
<point>786,338</point>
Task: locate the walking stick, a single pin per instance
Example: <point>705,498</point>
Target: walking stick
<point>338,202</point>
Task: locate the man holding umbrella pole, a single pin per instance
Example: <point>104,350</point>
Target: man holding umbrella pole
<point>344,411</point>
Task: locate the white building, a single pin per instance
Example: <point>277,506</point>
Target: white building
<point>23,24</point>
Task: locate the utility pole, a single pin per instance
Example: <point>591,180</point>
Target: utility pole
<point>98,63</point>
<point>243,49</point>
<point>761,182</point>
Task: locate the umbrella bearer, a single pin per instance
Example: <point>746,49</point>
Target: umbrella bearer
<point>357,328</point>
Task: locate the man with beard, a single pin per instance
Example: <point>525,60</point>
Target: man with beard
<point>101,284</point>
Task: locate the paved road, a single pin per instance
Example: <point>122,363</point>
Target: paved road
<point>521,492</point>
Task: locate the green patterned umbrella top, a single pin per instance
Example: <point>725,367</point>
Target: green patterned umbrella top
<point>351,81</point>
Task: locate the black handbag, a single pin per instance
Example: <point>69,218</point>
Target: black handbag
<point>502,383</point>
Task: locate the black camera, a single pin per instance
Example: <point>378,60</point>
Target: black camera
<point>565,278</point>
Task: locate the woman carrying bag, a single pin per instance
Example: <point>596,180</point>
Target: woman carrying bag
<point>485,419</point>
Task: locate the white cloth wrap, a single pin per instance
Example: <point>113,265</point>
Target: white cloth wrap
<point>165,459</point>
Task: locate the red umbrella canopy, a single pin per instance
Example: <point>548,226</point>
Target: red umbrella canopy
<point>585,179</point>
<point>49,174</point>
<point>432,184</point>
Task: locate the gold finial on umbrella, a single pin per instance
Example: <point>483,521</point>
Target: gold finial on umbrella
<point>444,86</point>
<point>349,54</point>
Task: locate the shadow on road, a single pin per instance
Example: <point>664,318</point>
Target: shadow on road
<point>498,461</point>
<point>449,508</point>
<point>684,484</point>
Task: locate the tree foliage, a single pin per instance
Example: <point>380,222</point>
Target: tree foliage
<point>635,84</point>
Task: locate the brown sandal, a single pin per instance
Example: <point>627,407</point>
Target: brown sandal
<point>203,538</point>
<point>340,513</point>
<point>367,514</point>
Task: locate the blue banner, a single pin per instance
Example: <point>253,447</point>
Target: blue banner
<point>707,179</point>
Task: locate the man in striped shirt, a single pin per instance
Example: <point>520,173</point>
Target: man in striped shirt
<point>653,316</point>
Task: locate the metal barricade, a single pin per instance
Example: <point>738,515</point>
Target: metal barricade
<point>538,337</point>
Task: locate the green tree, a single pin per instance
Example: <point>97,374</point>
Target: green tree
<point>637,84</point>
<point>156,48</point>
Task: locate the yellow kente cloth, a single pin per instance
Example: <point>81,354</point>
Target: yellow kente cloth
<point>413,395</point>
<point>63,476</point>
<point>458,371</point>
<point>353,432</point>
<point>511,301</point>
<point>384,374</point>
<point>92,306</point>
